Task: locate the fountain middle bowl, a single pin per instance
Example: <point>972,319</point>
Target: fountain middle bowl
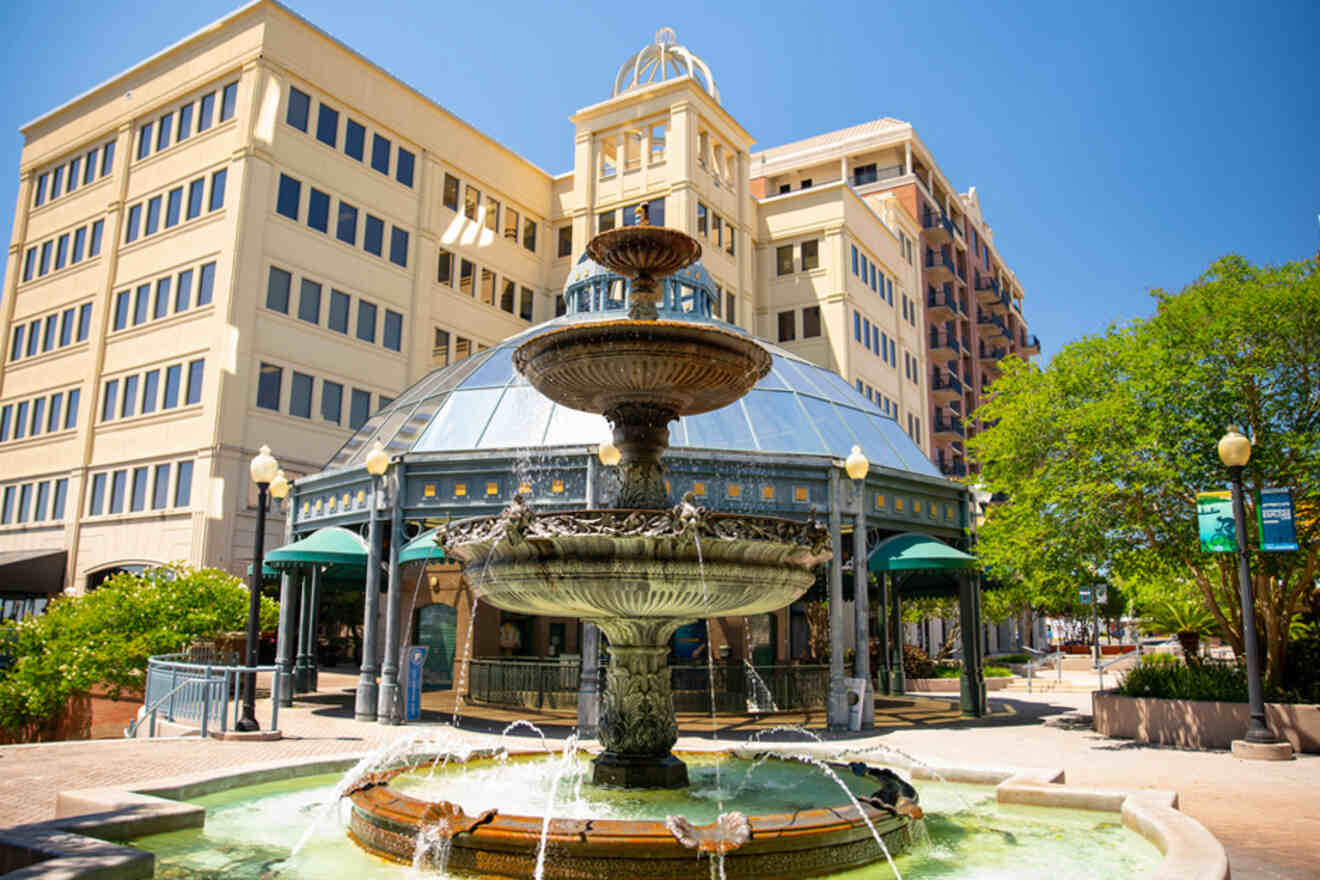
<point>814,840</point>
<point>637,565</point>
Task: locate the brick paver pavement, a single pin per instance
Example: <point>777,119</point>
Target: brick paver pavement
<point>1266,814</point>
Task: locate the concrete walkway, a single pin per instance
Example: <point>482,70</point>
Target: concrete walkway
<point>1267,815</point>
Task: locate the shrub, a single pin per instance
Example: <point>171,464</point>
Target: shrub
<point>104,638</point>
<point>997,672</point>
<point>917,663</point>
<point>947,670</point>
<point>1301,670</point>
<point>1166,677</point>
<point>1010,658</point>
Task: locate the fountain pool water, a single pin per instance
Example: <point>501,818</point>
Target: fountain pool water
<point>250,831</point>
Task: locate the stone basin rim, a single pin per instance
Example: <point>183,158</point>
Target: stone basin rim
<point>510,830</point>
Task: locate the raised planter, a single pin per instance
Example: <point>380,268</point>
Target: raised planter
<point>953,685</point>
<point>1200,724</point>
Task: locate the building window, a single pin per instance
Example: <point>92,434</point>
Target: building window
<point>150,390</point>
<point>393,331</point>
<point>525,305</point>
<point>359,408</point>
<point>131,227</point>
<point>95,504</point>
<point>218,189</point>
<point>153,216</point>
<point>198,187</point>
<point>786,326</point>
<point>300,395</point>
<point>511,224</point>
<point>605,221</point>
<point>108,398</point>
<point>864,174</point>
<point>403,171</point>
<point>268,387</point>
<point>529,235</point>
<point>164,130</point>
<point>492,217</point>
<point>205,108</point>
<point>399,246</point>
<point>138,499</point>
<point>172,377</point>
<point>366,321</point>
<point>488,286</point>
<point>784,259</point>
<point>332,396</point>
<point>565,248</point>
<point>355,139</point>
<point>318,210</point>
<point>183,484</point>
<point>290,194</point>
<point>196,370</point>
<point>300,106</point>
<point>380,154</point>
<point>444,272</point>
<point>373,236</point>
<point>277,290</point>
<point>466,276</point>
<point>144,142</point>
<point>160,489</point>
<point>471,201</point>
<point>205,284</point>
<point>730,308</point>
<point>309,301</point>
<point>228,100</point>
<point>449,195</point>
<point>810,322</point>
<point>71,411</point>
<point>810,255</point>
<point>327,126</point>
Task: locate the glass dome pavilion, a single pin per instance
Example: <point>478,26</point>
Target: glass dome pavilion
<point>467,437</point>
<point>472,434</point>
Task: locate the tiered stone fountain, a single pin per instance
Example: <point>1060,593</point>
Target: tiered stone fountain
<point>638,571</point>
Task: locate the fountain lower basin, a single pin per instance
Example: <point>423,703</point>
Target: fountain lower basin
<point>795,841</point>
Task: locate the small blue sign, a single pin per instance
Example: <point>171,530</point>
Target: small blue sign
<point>1274,515</point>
<point>413,705</point>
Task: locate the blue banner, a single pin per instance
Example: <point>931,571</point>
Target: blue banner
<point>1274,515</point>
<point>413,704</point>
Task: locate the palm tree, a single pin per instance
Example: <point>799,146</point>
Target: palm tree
<point>1185,618</point>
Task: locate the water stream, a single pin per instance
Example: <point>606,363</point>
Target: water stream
<point>570,749</point>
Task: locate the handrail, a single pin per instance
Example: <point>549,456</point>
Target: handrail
<point>207,676</point>
<point>1043,657</point>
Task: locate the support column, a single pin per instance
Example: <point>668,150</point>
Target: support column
<point>313,615</point>
<point>637,725</point>
<point>972,689</point>
<point>284,648</point>
<point>836,713</point>
<point>367,691</point>
<point>302,665</point>
<point>390,709</point>
<point>588,707</point>
<point>882,674</point>
<point>862,611</point>
<point>897,681</point>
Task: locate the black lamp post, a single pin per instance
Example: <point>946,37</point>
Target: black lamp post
<point>264,470</point>
<point>1235,452</point>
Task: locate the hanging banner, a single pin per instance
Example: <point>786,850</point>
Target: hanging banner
<point>1274,515</point>
<point>1214,516</point>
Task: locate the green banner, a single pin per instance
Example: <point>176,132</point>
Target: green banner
<point>1214,516</point>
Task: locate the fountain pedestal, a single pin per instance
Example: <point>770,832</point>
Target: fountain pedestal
<point>637,726</point>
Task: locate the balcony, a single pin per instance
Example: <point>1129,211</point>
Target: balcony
<point>944,344</point>
<point>939,267</point>
<point>945,387</point>
<point>942,305</point>
<point>1001,306</point>
<point>952,468</point>
<point>991,325</point>
<point>948,428</point>
<point>1030,343</point>
<point>991,355</point>
<point>936,227</point>
<point>988,291</point>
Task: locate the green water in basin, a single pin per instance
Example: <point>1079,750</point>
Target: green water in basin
<point>251,831</point>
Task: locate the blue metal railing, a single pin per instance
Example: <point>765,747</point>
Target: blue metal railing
<point>199,693</point>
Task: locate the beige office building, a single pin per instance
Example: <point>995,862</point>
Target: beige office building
<point>259,236</point>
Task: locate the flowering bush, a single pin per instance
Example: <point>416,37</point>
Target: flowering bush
<point>104,638</point>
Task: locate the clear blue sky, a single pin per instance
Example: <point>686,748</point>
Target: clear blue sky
<point>1116,147</point>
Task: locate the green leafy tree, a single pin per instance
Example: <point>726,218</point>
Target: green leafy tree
<point>1102,453</point>
<point>103,638</point>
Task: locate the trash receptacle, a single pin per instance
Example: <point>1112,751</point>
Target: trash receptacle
<point>855,689</point>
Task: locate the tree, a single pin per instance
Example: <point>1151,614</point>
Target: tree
<point>1102,453</point>
<point>103,638</point>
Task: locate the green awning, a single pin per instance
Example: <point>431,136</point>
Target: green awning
<point>911,552</point>
<point>267,573</point>
<point>334,546</point>
<point>421,549</point>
